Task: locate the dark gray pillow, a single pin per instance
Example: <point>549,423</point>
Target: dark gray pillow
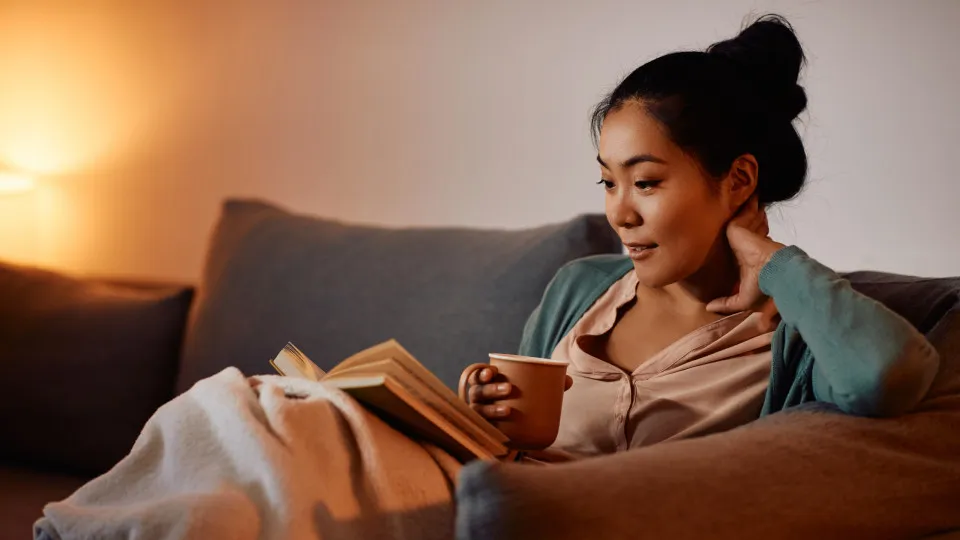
<point>84,366</point>
<point>449,295</point>
<point>922,301</point>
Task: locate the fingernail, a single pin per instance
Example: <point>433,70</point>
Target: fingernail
<point>485,374</point>
<point>501,410</point>
<point>503,388</point>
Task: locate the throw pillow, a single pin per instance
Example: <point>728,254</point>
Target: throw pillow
<point>84,364</point>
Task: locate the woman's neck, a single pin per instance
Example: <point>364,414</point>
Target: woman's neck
<point>716,278</point>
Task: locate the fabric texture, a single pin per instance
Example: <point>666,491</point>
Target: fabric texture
<point>805,472</point>
<point>269,457</point>
<point>86,364</point>
<point>450,296</point>
<point>870,360</point>
<point>712,379</point>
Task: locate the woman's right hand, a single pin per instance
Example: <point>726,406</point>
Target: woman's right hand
<point>484,392</point>
<point>486,388</point>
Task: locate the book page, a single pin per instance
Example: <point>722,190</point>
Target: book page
<point>421,391</point>
<point>291,362</point>
<point>391,349</point>
<point>388,399</point>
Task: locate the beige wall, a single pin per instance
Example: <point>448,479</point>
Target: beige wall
<point>138,118</point>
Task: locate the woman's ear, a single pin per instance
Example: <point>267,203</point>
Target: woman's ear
<point>742,180</point>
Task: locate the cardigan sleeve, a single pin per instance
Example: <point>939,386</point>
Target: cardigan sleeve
<point>573,289</point>
<point>867,360</point>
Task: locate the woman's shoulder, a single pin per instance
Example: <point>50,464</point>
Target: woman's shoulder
<point>572,290</point>
<point>602,267</point>
<point>587,277</point>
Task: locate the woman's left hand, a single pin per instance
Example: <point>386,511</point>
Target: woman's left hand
<point>747,234</point>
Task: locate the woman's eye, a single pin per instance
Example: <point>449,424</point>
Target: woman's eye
<point>606,184</point>
<point>646,185</point>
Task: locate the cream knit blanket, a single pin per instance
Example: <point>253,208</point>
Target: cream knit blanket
<point>260,458</point>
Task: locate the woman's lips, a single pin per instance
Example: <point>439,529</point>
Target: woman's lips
<point>639,252</point>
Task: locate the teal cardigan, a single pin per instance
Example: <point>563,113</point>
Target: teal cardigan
<point>833,344</point>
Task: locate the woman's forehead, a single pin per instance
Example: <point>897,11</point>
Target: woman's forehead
<point>630,131</point>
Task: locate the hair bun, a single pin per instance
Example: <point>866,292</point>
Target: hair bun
<point>768,54</point>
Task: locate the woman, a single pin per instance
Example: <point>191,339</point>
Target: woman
<point>709,323</point>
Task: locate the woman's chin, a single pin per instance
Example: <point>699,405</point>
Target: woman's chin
<point>652,277</point>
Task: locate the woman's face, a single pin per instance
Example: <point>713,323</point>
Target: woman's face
<point>668,212</point>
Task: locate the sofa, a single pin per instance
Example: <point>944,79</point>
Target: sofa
<point>87,361</point>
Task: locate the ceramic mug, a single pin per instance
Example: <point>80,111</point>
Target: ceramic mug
<point>535,400</point>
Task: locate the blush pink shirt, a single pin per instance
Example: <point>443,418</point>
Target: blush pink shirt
<point>713,379</point>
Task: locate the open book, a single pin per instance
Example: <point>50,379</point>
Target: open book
<point>392,384</point>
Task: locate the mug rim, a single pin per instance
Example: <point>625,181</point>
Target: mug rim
<point>528,359</point>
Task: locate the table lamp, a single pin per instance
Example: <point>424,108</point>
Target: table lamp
<point>18,218</point>
<point>11,182</point>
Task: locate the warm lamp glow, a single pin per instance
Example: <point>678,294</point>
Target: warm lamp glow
<point>14,183</point>
<point>74,95</point>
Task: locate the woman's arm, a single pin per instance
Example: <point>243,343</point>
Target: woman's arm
<point>867,359</point>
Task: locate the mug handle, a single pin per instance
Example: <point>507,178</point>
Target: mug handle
<point>465,379</point>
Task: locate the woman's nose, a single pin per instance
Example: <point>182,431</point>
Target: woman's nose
<point>624,214</point>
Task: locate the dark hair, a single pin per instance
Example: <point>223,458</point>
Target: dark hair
<point>740,96</point>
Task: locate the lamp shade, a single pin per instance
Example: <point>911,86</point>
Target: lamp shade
<point>14,183</point>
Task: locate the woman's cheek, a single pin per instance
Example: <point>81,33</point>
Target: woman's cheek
<point>690,237</point>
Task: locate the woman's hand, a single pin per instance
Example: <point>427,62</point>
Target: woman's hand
<point>747,234</point>
<point>486,389</point>
<point>484,393</point>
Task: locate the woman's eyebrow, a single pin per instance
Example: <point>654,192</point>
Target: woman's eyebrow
<point>640,158</point>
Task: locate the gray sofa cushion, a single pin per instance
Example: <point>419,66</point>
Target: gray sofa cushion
<point>84,364</point>
<point>448,295</point>
<point>801,473</point>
